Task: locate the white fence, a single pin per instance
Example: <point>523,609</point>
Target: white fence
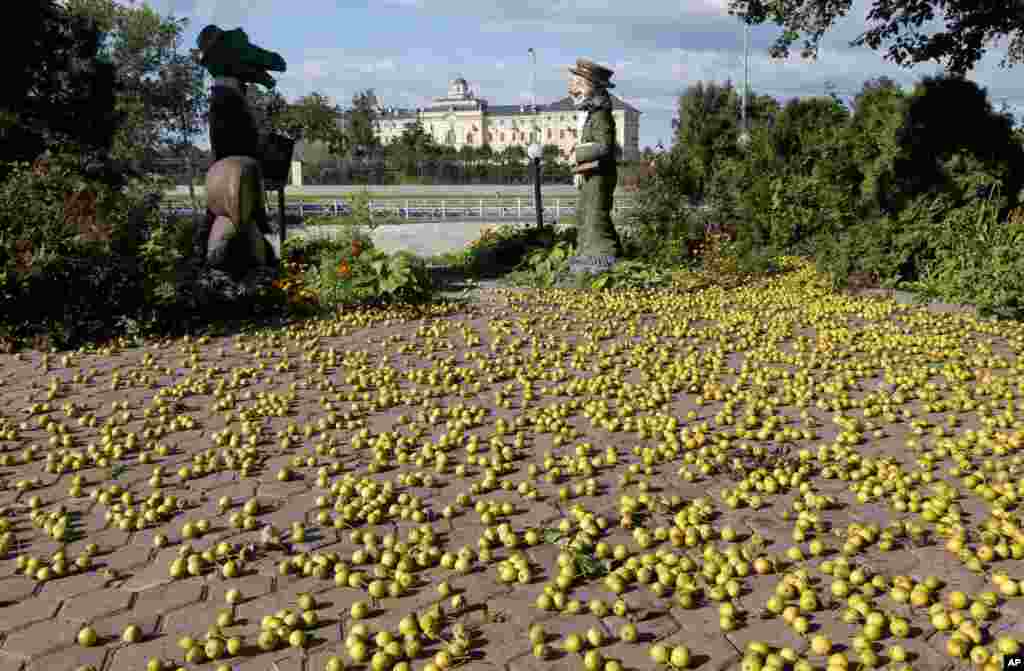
<point>434,209</point>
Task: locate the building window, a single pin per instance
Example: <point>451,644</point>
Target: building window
<point>469,138</point>
<point>561,135</point>
<point>502,137</point>
<point>549,133</point>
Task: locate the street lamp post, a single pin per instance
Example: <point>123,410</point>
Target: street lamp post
<point>745,135</point>
<point>534,150</point>
<point>533,79</point>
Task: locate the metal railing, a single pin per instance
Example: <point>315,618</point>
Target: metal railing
<point>519,208</point>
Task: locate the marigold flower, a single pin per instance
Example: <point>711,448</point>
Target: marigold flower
<point>344,269</point>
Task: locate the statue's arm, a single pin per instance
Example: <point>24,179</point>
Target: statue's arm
<point>603,144</point>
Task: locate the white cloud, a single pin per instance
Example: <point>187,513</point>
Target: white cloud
<point>657,49</point>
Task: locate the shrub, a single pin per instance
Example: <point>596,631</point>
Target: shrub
<point>977,260</point>
<point>344,276</point>
<point>32,214</point>
<point>663,219</point>
<point>97,274</point>
<point>88,292</point>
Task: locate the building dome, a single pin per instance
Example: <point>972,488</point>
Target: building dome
<point>458,88</point>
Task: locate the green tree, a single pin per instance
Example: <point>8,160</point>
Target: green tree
<point>802,129</point>
<point>952,139</point>
<point>188,114</point>
<point>139,43</point>
<point>413,145</point>
<point>312,118</point>
<point>971,26</point>
<point>361,131</point>
<point>550,161</point>
<point>707,126</point>
<point>877,116</point>
<point>61,87</point>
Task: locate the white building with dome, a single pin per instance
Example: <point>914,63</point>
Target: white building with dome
<point>460,119</point>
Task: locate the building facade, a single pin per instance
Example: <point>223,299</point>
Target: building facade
<point>461,119</point>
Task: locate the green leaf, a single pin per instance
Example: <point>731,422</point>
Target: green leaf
<point>590,566</point>
<point>552,536</point>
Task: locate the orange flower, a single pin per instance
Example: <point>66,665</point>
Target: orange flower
<point>344,269</point>
<point>357,248</point>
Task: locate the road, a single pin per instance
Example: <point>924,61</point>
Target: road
<point>421,239</point>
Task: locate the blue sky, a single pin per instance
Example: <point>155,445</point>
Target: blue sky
<point>409,50</point>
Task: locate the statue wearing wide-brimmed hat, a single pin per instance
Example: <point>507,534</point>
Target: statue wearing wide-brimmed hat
<point>594,164</point>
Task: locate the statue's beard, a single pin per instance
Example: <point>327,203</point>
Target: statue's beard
<point>582,100</point>
<point>590,101</point>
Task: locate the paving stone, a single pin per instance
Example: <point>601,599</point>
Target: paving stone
<point>285,660</point>
<point>10,662</point>
<point>253,610</point>
<point>74,585</point>
<point>279,491</point>
<point>195,619</point>
<point>775,630</point>
<point>126,559</point>
<point>708,652</point>
<point>113,626</point>
<point>27,612</point>
<point>166,599</point>
<point>649,629</point>
<point>69,659</point>
<point>504,640</point>
<point>14,589</point>
<point>41,637</point>
<point>135,657</point>
<point>154,574</point>
<point>251,587</point>
<point>99,603</point>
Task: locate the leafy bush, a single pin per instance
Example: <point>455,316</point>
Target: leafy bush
<point>895,250</point>
<point>542,267</point>
<point>32,214</point>
<point>89,290</point>
<point>977,260</point>
<point>352,276</point>
<point>43,257</point>
<point>664,218</point>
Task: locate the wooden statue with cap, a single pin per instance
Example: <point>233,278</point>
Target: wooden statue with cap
<point>594,165</point>
<point>236,211</point>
